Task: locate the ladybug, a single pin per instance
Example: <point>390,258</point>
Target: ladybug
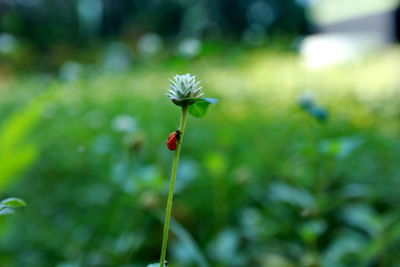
<point>172,139</point>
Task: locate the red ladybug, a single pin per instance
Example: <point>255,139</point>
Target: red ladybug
<point>172,139</point>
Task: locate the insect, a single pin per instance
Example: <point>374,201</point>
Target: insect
<point>173,138</point>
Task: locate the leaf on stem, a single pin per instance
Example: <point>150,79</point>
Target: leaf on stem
<point>198,106</point>
<point>13,202</point>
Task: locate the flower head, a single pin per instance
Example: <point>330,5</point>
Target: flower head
<point>184,86</point>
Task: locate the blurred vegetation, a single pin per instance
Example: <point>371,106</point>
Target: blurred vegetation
<point>43,34</point>
<point>81,22</point>
<point>263,181</point>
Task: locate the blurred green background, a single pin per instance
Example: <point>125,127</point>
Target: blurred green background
<point>297,165</point>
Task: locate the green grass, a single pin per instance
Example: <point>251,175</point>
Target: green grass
<point>261,182</point>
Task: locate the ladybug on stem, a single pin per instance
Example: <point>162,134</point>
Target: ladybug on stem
<point>173,138</point>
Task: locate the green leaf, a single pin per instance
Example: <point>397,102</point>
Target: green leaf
<point>198,107</point>
<point>193,100</point>
<point>188,101</point>
<point>4,210</point>
<point>13,202</point>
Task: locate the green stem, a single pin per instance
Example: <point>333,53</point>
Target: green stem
<point>172,186</point>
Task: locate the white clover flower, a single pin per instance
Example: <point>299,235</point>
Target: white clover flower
<point>184,86</point>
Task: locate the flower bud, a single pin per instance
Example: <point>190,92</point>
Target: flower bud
<point>184,87</point>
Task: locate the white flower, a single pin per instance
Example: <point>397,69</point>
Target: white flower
<point>184,86</point>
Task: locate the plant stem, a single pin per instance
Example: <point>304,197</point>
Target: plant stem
<point>172,186</point>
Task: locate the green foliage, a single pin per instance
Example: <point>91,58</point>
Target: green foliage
<point>198,108</point>
<point>16,152</point>
<point>169,18</point>
<point>8,205</point>
<point>13,202</point>
<point>259,179</point>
